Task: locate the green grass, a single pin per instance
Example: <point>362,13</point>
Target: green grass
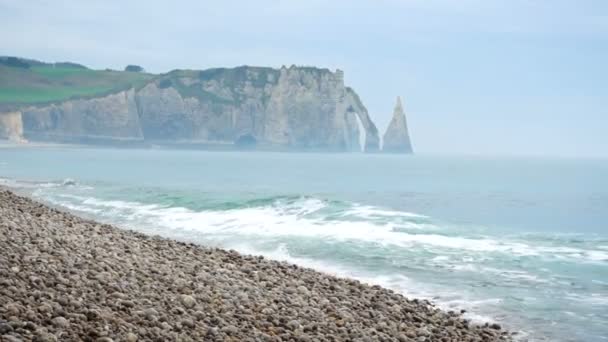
<point>14,95</point>
<point>197,92</point>
<point>60,72</point>
<point>258,76</point>
<point>48,83</point>
<point>233,78</point>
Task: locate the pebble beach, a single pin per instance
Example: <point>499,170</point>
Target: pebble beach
<point>66,278</point>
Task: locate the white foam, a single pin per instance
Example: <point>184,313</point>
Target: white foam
<point>281,253</point>
<point>91,201</point>
<point>397,282</point>
<point>243,229</point>
<point>272,221</point>
<point>300,218</point>
<point>597,255</point>
<point>11,183</point>
<point>443,298</point>
<point>80,208</point>
<point>441,258</point>
<point>68,182</point>
<point>365,211</point>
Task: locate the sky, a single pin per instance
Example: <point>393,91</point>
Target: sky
<point>477,77</point>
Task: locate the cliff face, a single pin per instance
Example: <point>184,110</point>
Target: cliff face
<point>397,138</point>
<point>103,119</point>
<point>372,139</point>
<point>11,126</point>
<point>290,108</point>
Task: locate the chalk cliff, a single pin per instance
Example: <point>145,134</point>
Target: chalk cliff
<point>295,108</point>
<point>397,138</point>
<point>11,126</point>
<point>95,120</point>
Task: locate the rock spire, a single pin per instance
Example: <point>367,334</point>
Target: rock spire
<point>397,138</point>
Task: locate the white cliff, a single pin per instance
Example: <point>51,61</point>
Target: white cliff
<point>397,138</point>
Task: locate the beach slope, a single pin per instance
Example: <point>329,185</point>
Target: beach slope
<point>64,278</point>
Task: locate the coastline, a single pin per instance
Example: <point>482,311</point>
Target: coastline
<point>12,144</point>
<point>68,278</point>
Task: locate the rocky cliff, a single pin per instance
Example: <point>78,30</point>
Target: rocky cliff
<point>397,138</point>
<point>97,120</point>
<point>11,126</point>
<point>289,108</point>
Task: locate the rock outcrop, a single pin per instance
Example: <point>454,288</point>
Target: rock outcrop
<point>11,126</point>
<point>98,120</point>
<point>372,139</point>
<point>397,138</point>
<point>296,108</point>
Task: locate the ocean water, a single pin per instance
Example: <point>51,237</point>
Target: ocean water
<point>518,241</point>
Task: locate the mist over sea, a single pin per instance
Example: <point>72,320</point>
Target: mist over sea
<point>519,241</point>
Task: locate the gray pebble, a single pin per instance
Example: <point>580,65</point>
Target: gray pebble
<point>66,278</point>
<point>188,301</point>
<point>60,322</point>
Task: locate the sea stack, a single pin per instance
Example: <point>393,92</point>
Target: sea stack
<point>397,138</point>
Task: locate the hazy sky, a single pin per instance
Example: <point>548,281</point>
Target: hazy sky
<point>476,76</point>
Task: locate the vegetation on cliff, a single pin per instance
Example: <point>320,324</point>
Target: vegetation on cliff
<point>296,107</point>
<point>193,83</point>
<point>25,81</point>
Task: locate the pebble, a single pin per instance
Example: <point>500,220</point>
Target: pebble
<point>188,323</point>
<point>5,328</point>
<point>104,339</point>
<point>303,290</point>
<point>403,338</point>
<point>293,325</point>
<point>60,322</point>
<point>188,301</point>
<point>131,337</point>
<point>10,338</point>
<point>150,313</point>
<point>230,329</point>
<point>67,278</point>
<point>45,337</point>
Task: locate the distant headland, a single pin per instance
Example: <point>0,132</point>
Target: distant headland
<point>292,108</point>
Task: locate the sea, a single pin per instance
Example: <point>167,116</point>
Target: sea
<point>522,242</point>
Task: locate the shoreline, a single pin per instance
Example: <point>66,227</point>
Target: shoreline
<point>64,277</point>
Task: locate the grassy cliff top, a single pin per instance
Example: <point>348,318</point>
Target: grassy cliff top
<point>32,82</point>
<point>29,82</point>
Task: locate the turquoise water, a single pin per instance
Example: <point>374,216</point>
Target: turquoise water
<point>523,242</point>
